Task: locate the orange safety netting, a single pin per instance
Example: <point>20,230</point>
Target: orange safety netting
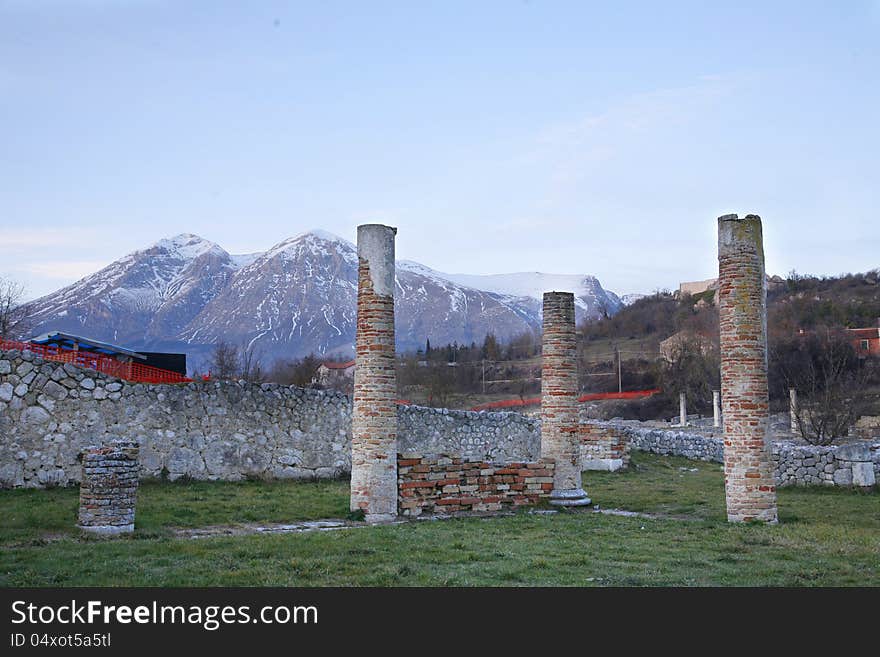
<point>593,396</point>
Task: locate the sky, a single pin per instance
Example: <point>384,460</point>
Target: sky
<point>562,137</point>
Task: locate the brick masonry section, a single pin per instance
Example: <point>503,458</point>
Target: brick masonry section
<point>108,492</point>
<point>748,467</point>
<point>559,392</point>
<point>603,447</point>
<point>444,485</point>
<point>374,412</point>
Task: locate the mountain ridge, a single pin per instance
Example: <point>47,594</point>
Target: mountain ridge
<point>297,297</point>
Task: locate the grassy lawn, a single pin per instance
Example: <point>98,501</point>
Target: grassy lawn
<point>826,537</point>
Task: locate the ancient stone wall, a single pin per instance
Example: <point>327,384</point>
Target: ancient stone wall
<point>854,464</point>
<point>49,412</point>
<point>443,484</point>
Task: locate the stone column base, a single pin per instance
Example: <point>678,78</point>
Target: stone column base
<point>107,529</point>
<point>379,518</point>
<point>604,465</point>
<point>570,497</point>
<point>863,475</point>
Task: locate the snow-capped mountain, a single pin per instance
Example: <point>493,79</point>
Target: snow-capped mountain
<point>630,299</point>
<point>590,299</point>
<point>186,293</point>
<point>145,296</point>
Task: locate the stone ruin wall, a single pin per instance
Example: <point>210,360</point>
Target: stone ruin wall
<point>49,413</point>
<point>853,464</point>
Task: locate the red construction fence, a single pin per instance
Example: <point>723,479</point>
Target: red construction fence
<point>128,371</point>
<point>594,396</point>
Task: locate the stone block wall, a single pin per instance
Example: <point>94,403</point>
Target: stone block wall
<point>49,412</point>
<point>443,485</point>
<point>867,426</point>
<point>855,464</point>
<point>108,491</point>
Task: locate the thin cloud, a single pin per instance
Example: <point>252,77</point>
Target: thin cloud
<point>63,269</point>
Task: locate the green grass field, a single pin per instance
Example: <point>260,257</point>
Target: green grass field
<point>826,537</point>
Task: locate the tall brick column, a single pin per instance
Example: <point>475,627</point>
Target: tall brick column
<point>108,491</point>
<point>374,412</point>
<point>748,467</point>
<point>559,388</point>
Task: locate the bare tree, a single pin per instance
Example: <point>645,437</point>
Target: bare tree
<point>251,366</point>
<point>298,372</point>
<point>825,370</point>
<point>224,361</point>
<point>13,316</point>
<point>693,368</point>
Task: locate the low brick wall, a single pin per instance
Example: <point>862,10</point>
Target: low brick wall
<point>603,446</point>
<point>442,485</point>
<point>108,491</point>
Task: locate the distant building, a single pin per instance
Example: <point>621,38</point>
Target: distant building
<point>671,347</point>
<point>78,343</point>
<point>697,287</point>
<point>148,366</point>
<point>694,288</point>
<point>335,375</point>
<point>866,341</point>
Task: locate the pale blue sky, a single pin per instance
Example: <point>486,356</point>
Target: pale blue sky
<point>566,137</point>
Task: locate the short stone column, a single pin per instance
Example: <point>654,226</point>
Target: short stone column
<point>682,409</point>
<point>559,391</point>
<point>716,408</point>
<point>374,409</point>
<point>603,447</point>
<point>750,485</point>
<point>108,491</point>
<point>793,409</point>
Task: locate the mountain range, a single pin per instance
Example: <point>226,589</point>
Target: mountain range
<point>186,293</point>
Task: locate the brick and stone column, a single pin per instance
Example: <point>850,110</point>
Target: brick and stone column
<point>559,388</point>
<point>793,409</point>
<point>716,408</point>
<point>108,491</point>
<point>748,466</point>
<point>374,411</point>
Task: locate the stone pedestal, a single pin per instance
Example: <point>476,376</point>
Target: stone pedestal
<point>374,410</point>
<point>559,388</point>
<point>750,486</point>
<point>603,447</point>
<point>108,491</point>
